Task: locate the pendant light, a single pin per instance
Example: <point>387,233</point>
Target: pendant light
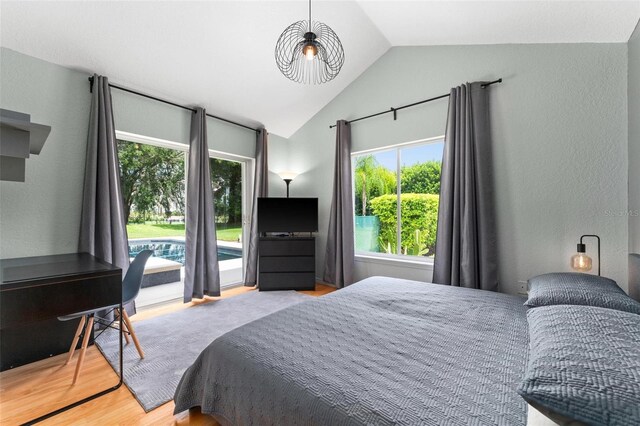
<point>309,52</point>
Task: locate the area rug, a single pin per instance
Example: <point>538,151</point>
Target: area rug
<point>172,342</point>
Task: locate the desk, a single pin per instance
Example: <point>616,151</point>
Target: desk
<point>34,291</point>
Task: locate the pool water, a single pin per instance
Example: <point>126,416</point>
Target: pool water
<point>174,250</point>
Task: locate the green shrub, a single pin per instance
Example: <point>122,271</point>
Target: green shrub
<point>135,217</point>
<point>419,222</point>
<point>421,178</point>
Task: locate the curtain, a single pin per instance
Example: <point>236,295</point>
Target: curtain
<point>466,246</point>
<point>102,227</point>
<point>201,272</point>
<point>339,258</point>
<point>260,189</point>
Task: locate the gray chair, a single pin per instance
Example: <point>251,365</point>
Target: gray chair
<point>130,289</point>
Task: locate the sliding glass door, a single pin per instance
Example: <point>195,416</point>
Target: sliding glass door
<point>153,180</point>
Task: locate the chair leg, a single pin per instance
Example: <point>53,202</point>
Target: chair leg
<point>127,321</point>
<point>83,349</point>
<point>124,330</point>
<point>76,337</point>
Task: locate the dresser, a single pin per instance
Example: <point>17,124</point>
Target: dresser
<point>286,263</point>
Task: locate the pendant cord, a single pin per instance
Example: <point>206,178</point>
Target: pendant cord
<point>309,15</point>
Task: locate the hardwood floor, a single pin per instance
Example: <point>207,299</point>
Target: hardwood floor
<point>32,390</point>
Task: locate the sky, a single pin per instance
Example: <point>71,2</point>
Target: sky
<point>411,155</point>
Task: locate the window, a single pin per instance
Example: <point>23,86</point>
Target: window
<point>396,192</point>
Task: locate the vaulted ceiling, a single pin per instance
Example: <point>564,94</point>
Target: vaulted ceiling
<point>220,54</point>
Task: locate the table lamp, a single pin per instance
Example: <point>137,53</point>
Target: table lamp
<point>582,262</point>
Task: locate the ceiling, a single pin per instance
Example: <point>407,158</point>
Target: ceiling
<point>219,54</point>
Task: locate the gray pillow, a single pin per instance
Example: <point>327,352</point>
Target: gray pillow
<point>584,364</point>
<point>568,288</point>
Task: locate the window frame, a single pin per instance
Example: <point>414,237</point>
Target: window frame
<point>368,256</point>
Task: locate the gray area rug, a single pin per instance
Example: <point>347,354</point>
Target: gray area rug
<point>172,342</point>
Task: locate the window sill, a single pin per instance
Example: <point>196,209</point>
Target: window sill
<point>426,264</point>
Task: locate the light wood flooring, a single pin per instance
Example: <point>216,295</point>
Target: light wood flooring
<point>32,390</point>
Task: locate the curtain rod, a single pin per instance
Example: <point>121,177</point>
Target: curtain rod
<point>395,110</point>
<point>144,95</point>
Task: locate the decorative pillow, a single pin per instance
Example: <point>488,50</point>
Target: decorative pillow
<point>568,288</point>
<point>584,365</point>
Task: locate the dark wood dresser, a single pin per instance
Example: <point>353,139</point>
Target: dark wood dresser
<point>34,291</point>
<point>287,263</point>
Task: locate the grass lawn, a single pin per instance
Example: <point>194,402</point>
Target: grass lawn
<point>158,230</point>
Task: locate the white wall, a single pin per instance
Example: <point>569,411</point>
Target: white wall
<point>634,141</point>
<point>42,215</point>
<point>559,124</point>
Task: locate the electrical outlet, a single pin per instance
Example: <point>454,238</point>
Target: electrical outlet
<point>522,288</point>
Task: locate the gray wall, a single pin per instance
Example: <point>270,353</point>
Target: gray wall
<point>41,216</point>
<point>634,141</point>
<point>634,163</point>
<point>560,145</point>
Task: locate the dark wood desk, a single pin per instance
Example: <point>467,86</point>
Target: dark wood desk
<point>34,291</point>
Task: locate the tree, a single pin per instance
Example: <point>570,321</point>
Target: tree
<point>150,177</point>
<point>226,180</point>
<point>421,178</point>
<point>371,180</point>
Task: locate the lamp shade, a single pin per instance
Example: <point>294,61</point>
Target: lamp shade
<point>287,175</point>
<point>309,52</point>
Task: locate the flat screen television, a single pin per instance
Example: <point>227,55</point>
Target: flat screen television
<point>287,214</point>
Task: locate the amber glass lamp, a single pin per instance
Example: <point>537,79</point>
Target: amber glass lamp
<point>582,262</point>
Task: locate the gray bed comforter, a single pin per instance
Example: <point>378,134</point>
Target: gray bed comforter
<point>382,351</point>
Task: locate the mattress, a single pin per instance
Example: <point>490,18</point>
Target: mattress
<point>382,351</point>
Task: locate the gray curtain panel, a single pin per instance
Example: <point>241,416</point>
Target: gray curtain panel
<point>339,258</point>
<point>466,249</point>
<point>102,228</point>
<point>201,271</point>
<point>260,189</point>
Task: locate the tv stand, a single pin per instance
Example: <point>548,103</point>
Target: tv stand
<point>286,263</point>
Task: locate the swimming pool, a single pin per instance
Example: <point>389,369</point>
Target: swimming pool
<point>174,250</point>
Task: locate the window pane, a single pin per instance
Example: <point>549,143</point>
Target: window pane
<point>420,189</point>
<point>226,180</point>
<point>374,177</point>
<point>153,191</point>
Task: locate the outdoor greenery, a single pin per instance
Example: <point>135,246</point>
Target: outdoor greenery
<point>159,230</point>
<point>226,179</point>
<point>152,179</point>
<point>419,222</point>
<point>375,196</point>
<point>421,178</point>
<point>371,180</point>
<point>153,190</point>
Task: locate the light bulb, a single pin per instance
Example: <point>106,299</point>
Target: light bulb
<point>310,51</point>
<point>581,262</point>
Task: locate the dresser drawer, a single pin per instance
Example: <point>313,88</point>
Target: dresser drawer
<point>287,264</point>
<point>287,247</point>
<point>287,281</point>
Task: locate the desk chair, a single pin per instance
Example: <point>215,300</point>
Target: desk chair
<point>130,289</point>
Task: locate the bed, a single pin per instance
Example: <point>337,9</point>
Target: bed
<point>382,351</point>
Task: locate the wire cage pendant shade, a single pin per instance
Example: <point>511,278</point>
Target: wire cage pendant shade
<point>309,52</point>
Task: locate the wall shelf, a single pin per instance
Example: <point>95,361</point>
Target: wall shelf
<point>19,139</point>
